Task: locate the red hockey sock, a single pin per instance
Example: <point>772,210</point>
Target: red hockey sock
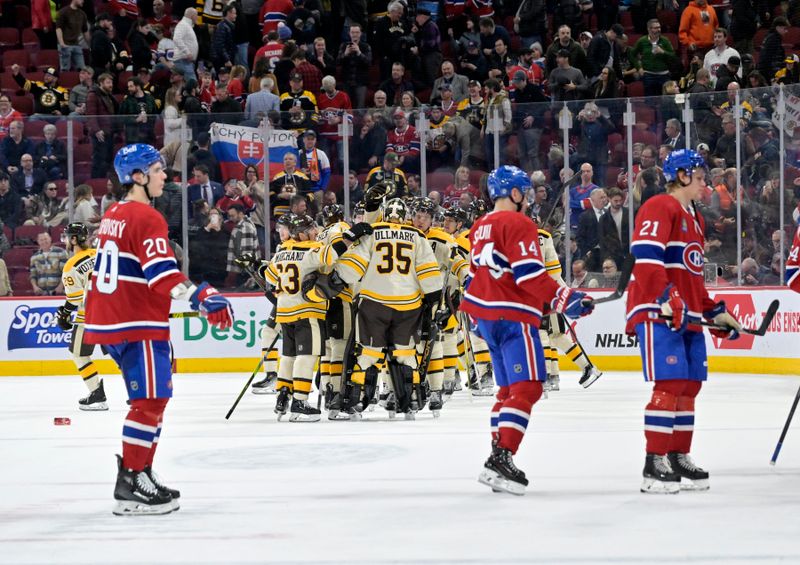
<point>513,418</point>
<point>140,432</point>
<point>684,418</point>
<point>502,394</point>
<point>659,415</point>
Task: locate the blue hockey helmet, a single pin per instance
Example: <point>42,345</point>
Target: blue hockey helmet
<point>135,157</point>
<point>686,159</point>
<point>504,179</point>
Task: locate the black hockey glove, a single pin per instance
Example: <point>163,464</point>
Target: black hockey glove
<point>247,261</point>
<point>441,317</point>
<point>358,231</point>
<point>64,318</point>
<point>375,194</point>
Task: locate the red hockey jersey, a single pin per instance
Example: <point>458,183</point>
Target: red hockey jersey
<point>404,142</point>
<point>507,279</point>
<point>793,264</point>
<point>668,246</point>
<point>134,272</point>
<point>274,12</point>
<point>331,109</point>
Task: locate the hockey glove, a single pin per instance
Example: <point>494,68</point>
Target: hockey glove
<point>672,305</point>
<point>246,261</point>
<point>720,316</point>
<point>357,231</point>
<point>215,307</point>
<point>441,318</point>
<point>572,303</point>
<point>64,318</point>
<point>375,194</point>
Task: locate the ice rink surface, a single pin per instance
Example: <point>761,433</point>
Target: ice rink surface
<point>377,492</point>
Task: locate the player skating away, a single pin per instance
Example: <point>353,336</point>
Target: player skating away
<point>75,278</point>
<point>506,292</point>
<point>792,276</point>
<point>399,279</point>
<point>554,331</point>
<point>443,364</point>
<point>668,279</point>
<point>135,279</point>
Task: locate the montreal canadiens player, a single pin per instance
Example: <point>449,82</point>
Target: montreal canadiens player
<point>127,310</point>
<point>507,290</point>
<point>668,281</point>
<point>793,263</point>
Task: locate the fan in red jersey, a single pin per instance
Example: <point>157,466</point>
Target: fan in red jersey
<point>135,278</point>
<point>668,280</point>
<point>507,291</point>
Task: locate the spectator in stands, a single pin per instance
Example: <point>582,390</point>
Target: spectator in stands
<point>726,143</point>
<point>79,92</point>
<point>285,184</point>
<point>750,272</point>
<point>467,141</point>
<point>161,17</point>
<point>312,77</point>
<point>196,114</point>
<point>564,41</point>
<point>772,54</point>
<point>5,283</point>
<point>319,57</point>
<point>170,205</point>
<point>744,24</point>
<point>10,203</point>
<point>223,42</point>
<point>446,102</point>
<point>404,143</point>
<point>697,26</point>
<point>261,102</point>
<point>728,73</point>
<point>315,164</point>
<point>614,227</point>
<point>86,210</point>
<point>410,106</point>
<point>457,83</point>
<point>208,248</point>
<point>719,55</point>
<point>396,85</point>
<point>604,49</point>
<point>100,106</point>
<point>172,116</point>
<point>140,39</point>
<point>652,55</point>
<point>234,194</point>
<point>141,109</point>
<point>46,266</point>
<point>473,63</point>
<point>46,208</point>
<point>380,110</point>
<point>585,38</point>
<point>672,134</point>
<point>588,234</point>
<point>702,103</point>
<point>594,129</point>
<point>428,45</point>
<point>42,23</point>
<point>102,45</point>
<point>490,33</point>
<point>356,189</point>
<point>186,46</point>
<point>49,99</point>
<point>225,108</point>
<point>579,274</point>
<point>580,193</point>
<point>388,170</point>
<point>204,187</point>
<point>499,61</point>
<point>28,179</point>
<point>109,198</point>
<point>567,82</point>
<point>7,115</point>
<point>13,147</point>
<point>368,144</point>
<point>385,39</point>
<point>539,205</point>
<point>608,277</point>
<point>71,25</point>
<point>530,21</point>
<point>202,155</point>
<point>452,193</point>
<point>355,57</point>
<point>531,104</point>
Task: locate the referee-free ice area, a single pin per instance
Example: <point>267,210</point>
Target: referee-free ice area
<point>378,491</point>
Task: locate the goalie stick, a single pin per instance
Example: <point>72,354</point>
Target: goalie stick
<point>759,331</point>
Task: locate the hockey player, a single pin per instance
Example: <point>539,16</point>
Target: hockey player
<point>668,280</point>
<point>127,309</point>
<point>399,280</point>
<point>75,278</point>
<point>555,332</point>
<point>506,292</point>
<point>792,276</point>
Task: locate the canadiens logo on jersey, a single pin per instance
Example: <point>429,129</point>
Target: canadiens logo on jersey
<point>693,258</point>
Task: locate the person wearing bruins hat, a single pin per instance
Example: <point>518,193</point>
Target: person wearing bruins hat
<point>298,106</point>
<point>790,73</point>
<point>388,171</point>
<point>49,98</point>
<point>472,108</point>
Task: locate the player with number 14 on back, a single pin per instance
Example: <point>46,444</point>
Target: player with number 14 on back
<point>135,278</point>
<point>507,292</point>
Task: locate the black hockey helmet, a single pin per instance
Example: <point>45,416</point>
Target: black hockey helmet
<point>359,209</point>
<point>427,206</point>
<point>458,214</point>
<point>301,223</point>
<point>285,220</point>
<point>478,208</point>
<point>332,213</point>
<point>77,230</point>
<point>395,210</point>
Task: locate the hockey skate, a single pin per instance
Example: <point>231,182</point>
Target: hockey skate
<point>96,401</point>
<point>336,410</point>
<point>164,489</point>
<point>589,376</point>
<point>500,473</point>
<point>435,403</point>
<point>553,383</point>
<point>266,385</point>
<point>659,478</point>
<point>485,385</point>
<point>136,495</point>
<point>302,411</point>
<point>389,404</point>
<point>692,477</point>
<point>448,390</point>
<point>282,403</point>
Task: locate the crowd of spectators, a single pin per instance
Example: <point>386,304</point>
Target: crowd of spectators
<point>489,83</point>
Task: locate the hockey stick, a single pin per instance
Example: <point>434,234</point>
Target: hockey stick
<point>250,380</point>
<point>469,356</point>
<point>574,335</point>
<point>184,315</point>
<point>785,429</point>
<point>622,284</point>
<point>759,331</point>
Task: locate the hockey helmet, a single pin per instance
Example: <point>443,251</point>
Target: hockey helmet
<point>301,223</point>
<point>504,179</point>
<point>135,157</point>
<point>285,220</point>
<point>682,159</point>
<point>332,213</point>
<point>478,208</point>
<point>77,230</point>
<point>458,214</point>
<point>359,209</point>
<point>427,206</point>
<point>395,210</point>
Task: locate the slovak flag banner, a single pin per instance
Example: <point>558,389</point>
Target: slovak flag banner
<point>236,147</point>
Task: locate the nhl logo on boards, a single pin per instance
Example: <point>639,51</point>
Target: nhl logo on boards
<point>693,258</point>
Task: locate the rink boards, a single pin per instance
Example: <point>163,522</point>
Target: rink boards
<point>32,344</point>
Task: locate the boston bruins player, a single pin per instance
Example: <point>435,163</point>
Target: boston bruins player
<point>399,280</point>
<point>554,332</point>
<point>75,277</point>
